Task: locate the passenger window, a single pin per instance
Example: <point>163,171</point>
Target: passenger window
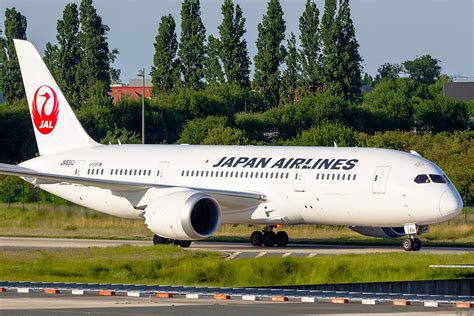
<point>436,178</point>
<point>287,175</point>
<point>317,176</point>
<point>207,174</point>
<point>338,176</point>
<point>149,172</point>
<point>422,178</point>
<point>102,172</point>
<point>111,171</point>
<point>354,177</point>
<point>116,171</point>
<point>212,174</point>
<point>344,176</point>
<point>333,176</point>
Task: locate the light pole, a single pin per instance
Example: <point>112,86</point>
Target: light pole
<point>141,73</point>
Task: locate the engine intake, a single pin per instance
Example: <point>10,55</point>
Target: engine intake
<point>383,232</point>
<point>182,214</point>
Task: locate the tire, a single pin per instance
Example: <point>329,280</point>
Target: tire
<point>416,244</point>
<point>407,244</point>
<point>157,240</point>
<point>256,239</point>
<point>269,239</point>
<point>184,243</point>
<point>281,239</point>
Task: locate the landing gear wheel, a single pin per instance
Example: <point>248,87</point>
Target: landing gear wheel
<point>408,244</point>
<point>183,243</point>
<point>416,244</point>
<point>269,239</point>
<point>281,239</point>
<point>256,239</point>
<point>158,240</point>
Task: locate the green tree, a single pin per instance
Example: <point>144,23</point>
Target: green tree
<point>192,49</point>
<point>64,59</point>
<point>424,69</point>
<point>327,22</point>
<point>122,135</point>
<point>95,63</point>
<point>233,48</point>
<point>225,136</point>
<point>388,71</point>
<point>326,135</point>
<point>164,72</point>
<point>442,115</point>
<point>367,80</point>
<point>270,53</point>
<point>342,62</point>
<point>310,53</point>
<point>212,65</point>
<point>195,131</point>
<point>292,73</point>
<point>392,102</point>
<point>10,75</point>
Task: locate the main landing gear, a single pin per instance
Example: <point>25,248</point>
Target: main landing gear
<point>158,240</point>
<point>269,238</point>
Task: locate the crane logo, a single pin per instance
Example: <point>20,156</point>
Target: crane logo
<point>46,116</point>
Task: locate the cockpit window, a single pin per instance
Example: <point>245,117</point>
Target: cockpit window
<point>422,178</point>
<point>436,178</point>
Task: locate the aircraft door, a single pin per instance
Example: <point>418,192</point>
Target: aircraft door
<point>299,180</point>
<point>380,179</point>
<point>79,167</point>
<point>161,173</point>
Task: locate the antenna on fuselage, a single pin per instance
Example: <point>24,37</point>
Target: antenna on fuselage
<point>335,145</point>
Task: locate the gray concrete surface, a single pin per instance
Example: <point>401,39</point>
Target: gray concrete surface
<point>235,250</point>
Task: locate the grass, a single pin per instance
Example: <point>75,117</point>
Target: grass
<point>77,222</point>
<point>174,266</point>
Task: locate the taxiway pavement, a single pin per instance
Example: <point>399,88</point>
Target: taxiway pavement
<point>234,249</point>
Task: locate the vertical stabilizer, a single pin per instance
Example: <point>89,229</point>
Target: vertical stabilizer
<point>56,127</point>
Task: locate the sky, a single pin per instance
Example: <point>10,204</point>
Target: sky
<point>387,30</point>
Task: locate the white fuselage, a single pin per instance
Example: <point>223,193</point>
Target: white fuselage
<point>336,186</point>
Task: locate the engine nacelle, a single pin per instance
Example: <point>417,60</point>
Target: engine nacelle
<point>182,214</point>
<point>383,232</point>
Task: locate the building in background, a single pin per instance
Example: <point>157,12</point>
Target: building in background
<point>132,91</point>
<point>461,89</point>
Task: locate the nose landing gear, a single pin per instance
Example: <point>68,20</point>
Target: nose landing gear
<point>269,238</point>
<point>413,243</point>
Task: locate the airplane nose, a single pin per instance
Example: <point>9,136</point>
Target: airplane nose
<point>450,203</point>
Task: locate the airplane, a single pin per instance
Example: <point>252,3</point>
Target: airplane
<point>185,192</point>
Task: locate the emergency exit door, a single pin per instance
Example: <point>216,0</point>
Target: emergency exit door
<point>299,180</point>
<point>161,172</point>
<point>380,179</point>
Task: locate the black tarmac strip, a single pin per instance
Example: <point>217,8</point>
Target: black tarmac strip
<point>213,308</point>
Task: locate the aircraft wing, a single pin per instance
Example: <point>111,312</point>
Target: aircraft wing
<point>122,187</point>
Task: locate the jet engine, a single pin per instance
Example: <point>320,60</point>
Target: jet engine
<point>182,214</point>
<point>383,232</point>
